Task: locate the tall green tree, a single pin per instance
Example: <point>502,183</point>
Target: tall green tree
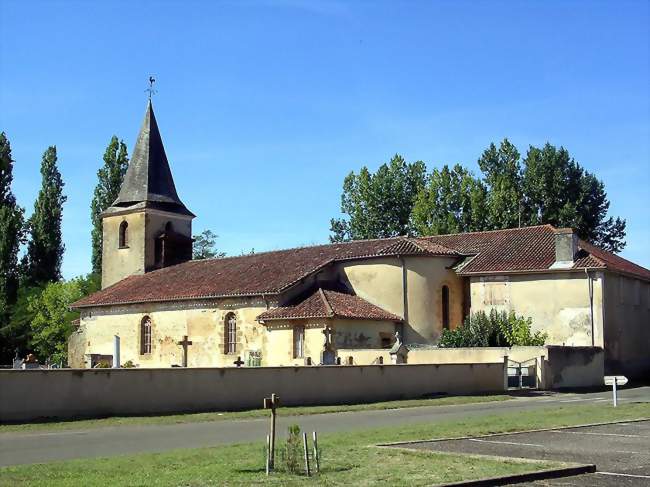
<point>11,232</point>
<point>380,204</point>
<point>205,246</point>
<point>548,186</point>
<point>561,192</point>
<point>501,169</point>
<point>51,320</point>
<point>42,263</point>
<point>109,181</point>
<point>453,201</point>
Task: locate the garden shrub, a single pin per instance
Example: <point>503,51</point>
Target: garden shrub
<point>498,329</point>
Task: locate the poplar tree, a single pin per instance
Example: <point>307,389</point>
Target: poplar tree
<point>11,230</point>
<point>561,192</point>
<point>453,201</point>
<point>42,263</point>
<point>379,205</point>
<point>502,174</point>
<point>110,177</point>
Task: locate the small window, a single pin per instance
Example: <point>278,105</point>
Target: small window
<point>230,334</point>
<point>445,307</point>
<point>145,336</point>
<point>124,235</point>
<point>298,341</point>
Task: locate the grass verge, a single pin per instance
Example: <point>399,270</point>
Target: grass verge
<point>255,413</point>
<point>347,458</point>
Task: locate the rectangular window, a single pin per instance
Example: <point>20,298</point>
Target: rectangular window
<point>298,341</point>
<point>495,291</point>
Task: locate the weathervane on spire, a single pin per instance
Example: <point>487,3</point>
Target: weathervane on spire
<point>150,90</point>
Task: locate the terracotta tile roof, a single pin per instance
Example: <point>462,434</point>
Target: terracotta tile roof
<point>526,249</point>
<point>329,304</point>
<point>249,275</point>
<point>500,251</point>
<point>610,261</point>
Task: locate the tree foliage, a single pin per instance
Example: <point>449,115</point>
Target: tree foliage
<point>109,181</point>
<point>453,201</point>
<point>45,248</point>
<point>16,332</point>
<point>492,330</point>
<point>11,232</point>
<point>502,174</point>
<point>51,318</point>
<point>547,186</point>
<point>205,246</point>
<point>380,204</point>
<point>560,192</point>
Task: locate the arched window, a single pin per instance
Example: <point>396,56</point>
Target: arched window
<point>230,333</point>
<point>445,307</point>
<point>145,335</point>
<point>168,227</point>
<point>124,235</point>
<point>298,341</point>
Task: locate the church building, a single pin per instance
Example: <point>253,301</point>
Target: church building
<point>342,302</point>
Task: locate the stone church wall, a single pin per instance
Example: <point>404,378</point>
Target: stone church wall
<point>558,303</point>
<point>202,322</point>
<point>118,263</point>
<point>381,282</point>
<point>627,326</point>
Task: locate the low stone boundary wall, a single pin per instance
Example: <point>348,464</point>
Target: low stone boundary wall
<point>27,395</point>
<point>573,367</point>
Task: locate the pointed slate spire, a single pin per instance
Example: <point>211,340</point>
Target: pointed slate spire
<point>149,179</point>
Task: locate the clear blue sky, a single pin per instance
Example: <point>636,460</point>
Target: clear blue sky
<point>265,106</point>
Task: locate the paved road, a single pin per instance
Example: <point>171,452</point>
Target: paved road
<point>22,448</point>
<point>621,452</point>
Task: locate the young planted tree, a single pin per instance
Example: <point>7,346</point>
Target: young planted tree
<point>11,231</point>
<point>453,201</point>
<point>109,181</point>
<point>380,204</point>
<point>42,263</point>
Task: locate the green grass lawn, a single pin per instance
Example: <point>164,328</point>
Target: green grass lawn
<point>347,458</point>
<point>255,413</point>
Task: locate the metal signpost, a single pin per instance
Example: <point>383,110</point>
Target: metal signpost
<point>615,381</point>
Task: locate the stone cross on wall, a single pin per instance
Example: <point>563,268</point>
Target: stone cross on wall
<point>185,343</point>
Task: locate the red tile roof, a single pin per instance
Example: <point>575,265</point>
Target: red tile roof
<point>530,249</point>
<point>329,304</point>
<point>249,275</point>
<point>527,249</point>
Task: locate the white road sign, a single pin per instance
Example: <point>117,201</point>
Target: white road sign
<point>621,380</point>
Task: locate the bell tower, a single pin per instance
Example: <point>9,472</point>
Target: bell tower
<point>147,227</point>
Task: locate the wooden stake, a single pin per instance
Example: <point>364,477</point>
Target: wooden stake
<point>316,456</point>
<point>306,447</point>
<point>272,403</point>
